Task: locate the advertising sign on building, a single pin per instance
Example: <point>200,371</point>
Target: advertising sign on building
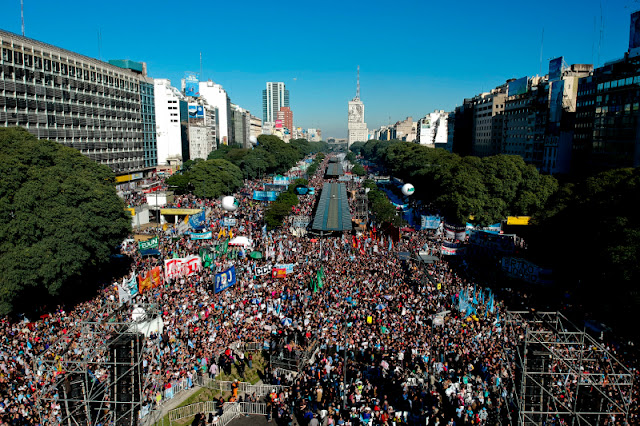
<point>192,87</point>
<point>518,87</point>
<point>555,103</point>
<point>555,68</point>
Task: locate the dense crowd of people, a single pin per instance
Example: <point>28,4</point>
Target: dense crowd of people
<point>410,355</point>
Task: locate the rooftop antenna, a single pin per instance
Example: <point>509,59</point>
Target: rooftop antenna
<point>99,44</point>
<point>200,64</point>
<point>22,15</point>
<point>601,32</point>
<point>541,47</point>
<point>358,85</point>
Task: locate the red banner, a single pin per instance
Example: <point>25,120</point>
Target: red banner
<point>279,273</point>
<point>155,277</point>
<point>144,281</point>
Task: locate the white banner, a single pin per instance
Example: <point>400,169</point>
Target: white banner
<point>263,270</point>
<point>182,266</point>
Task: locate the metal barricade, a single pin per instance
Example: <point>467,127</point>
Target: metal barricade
<point>192,409</point>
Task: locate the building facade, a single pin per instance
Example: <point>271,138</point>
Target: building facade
<point>286,116</point>
<point>217,97</point>
<point>170,137</point>
<point>147,109</point>
<point>255,127</point>
<point>202,129</point>
<point>488,109</point>
<point>78,101</point>
<point>607,117</point>
<point>241,126</point>
<point>433,129</point>
<point>406,130</point>
<point>274,97</point>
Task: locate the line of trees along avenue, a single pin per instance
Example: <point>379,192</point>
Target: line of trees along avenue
<point>222,172</point>
<point>485,189</point>
<point>587,231</point>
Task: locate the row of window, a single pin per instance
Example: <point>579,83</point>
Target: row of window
<point>618,83</point>
<point>49,65</point>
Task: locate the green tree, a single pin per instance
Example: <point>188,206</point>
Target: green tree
<point>214,178</point>
<point>60,217</point>
<point>589,231</point>
<point>356,147</point>
<point>179,182</point>
<point>358,170</point>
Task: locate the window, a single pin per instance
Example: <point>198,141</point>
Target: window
<point>7,55</point>
<point>17,58</point>
<point>63,68</point>
<point>93,76</point>
<point>86,74</point>
<point>72,71</point>
<point>28,60</point>
<point>47,64</point>
<point>56,67</point>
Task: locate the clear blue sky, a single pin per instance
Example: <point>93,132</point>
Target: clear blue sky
<point>414,56</point>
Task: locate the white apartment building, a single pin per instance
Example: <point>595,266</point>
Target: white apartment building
<point>168,133</point>
<point>217,97</point>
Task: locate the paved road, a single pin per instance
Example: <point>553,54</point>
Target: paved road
<point>251,421</point>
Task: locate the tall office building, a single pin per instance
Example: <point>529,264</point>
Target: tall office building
<point>274,97</point>
<point>357,127</point>
<point>147,108</point>
<point>78,101</point>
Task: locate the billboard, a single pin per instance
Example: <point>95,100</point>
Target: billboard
<point>278,124</point>
<point>555,103</point>
<point>555,68</point>
<point>634,31</point>
<point>191,86</point>
<point>196,114</point>
<point>518,87</point>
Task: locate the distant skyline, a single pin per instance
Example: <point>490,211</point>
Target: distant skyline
<point>415,57</point>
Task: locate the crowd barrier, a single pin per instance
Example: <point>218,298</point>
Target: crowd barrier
<point>230,411</point>
<point>243,387</point>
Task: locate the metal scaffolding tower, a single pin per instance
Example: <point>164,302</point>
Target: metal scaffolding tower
<point>563,374</point>
<point>95,371</point>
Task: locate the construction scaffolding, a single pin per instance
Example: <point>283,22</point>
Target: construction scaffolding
<point>564,376</point>
<point>94,374</point>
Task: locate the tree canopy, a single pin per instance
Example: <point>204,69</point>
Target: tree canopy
<point>209,179</point>
<point>488,189</point>
<point>589,232</point>
<point>271,155</point>
<point>60,216</point>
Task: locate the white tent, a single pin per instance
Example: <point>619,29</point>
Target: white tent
<point>240,241</point>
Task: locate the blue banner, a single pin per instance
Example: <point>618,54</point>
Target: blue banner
<point>225,279</point>
<point>191,84</point>
<point>430,222</point>
<point>195,221</point>
<point>265,195</point>
<point>202,236</point>
<point>286,266</point>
